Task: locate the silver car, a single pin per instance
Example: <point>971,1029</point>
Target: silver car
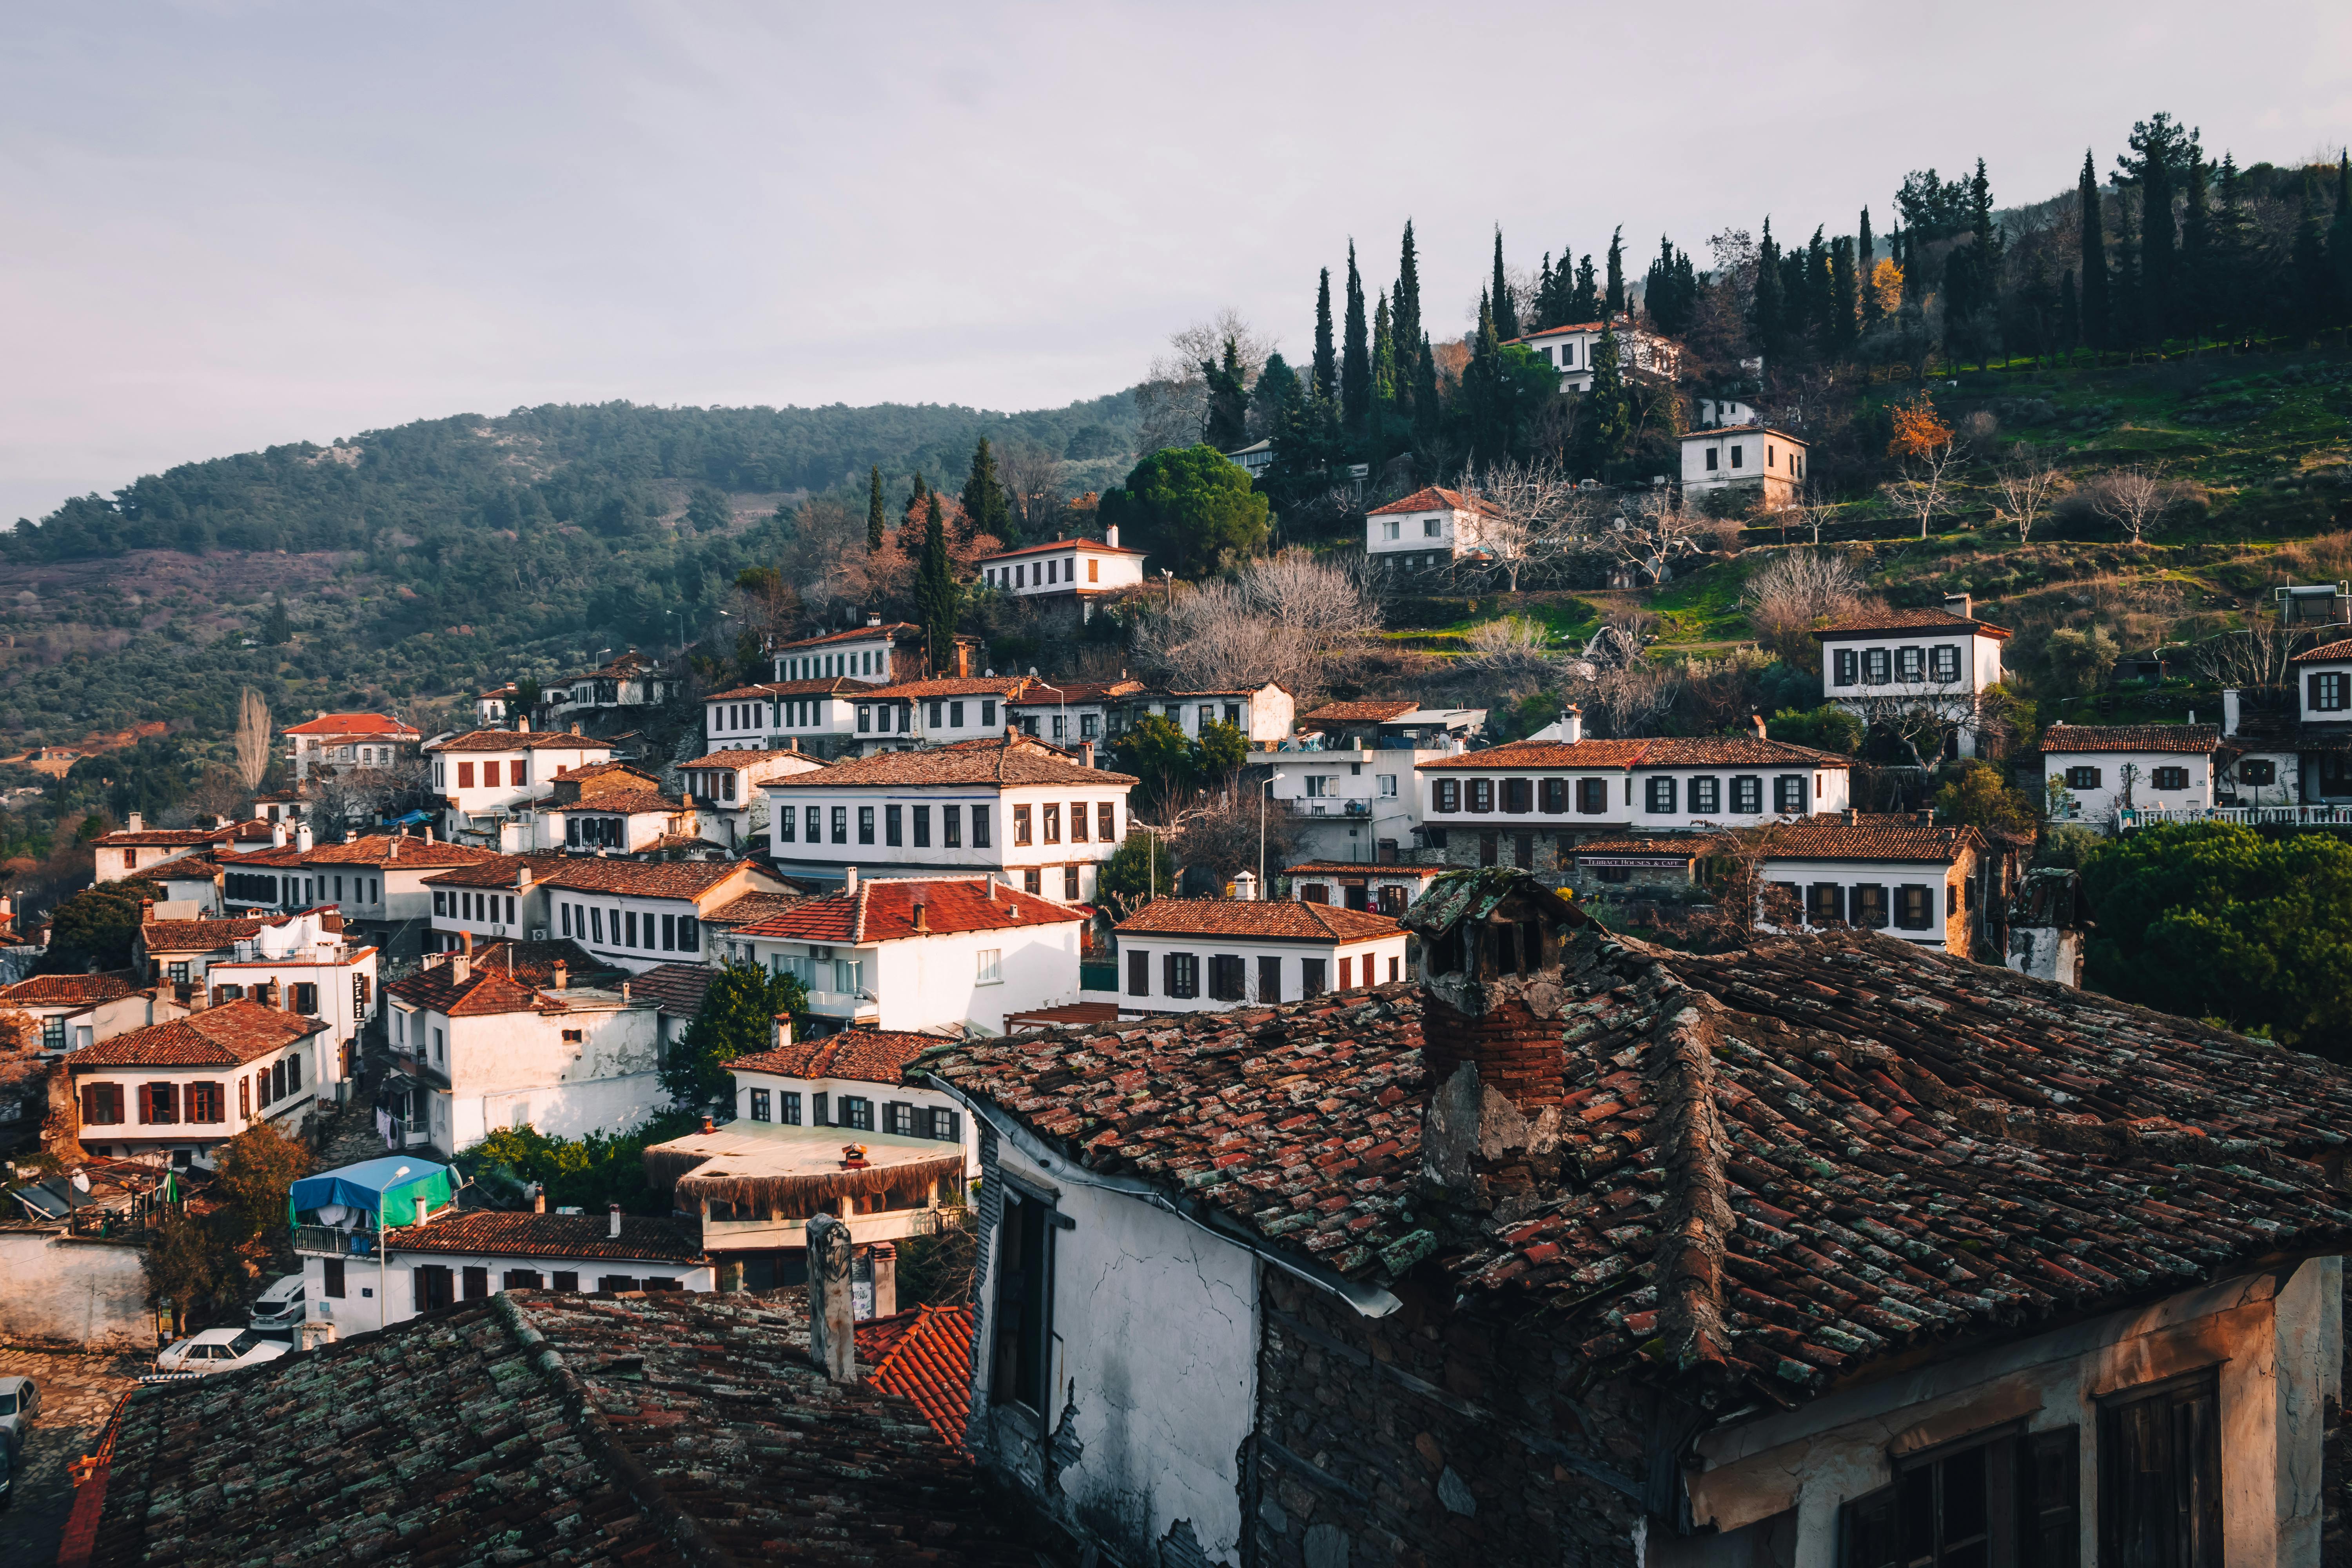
<point>20,1401</point>
<point>279,1309</point>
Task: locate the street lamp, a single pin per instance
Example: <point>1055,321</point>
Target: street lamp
<point>1265,791</point>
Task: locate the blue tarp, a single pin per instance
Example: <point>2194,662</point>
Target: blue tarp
<point>411,820</point>
<point>394,1189</point>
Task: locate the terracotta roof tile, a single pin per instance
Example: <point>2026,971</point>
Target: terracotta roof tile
<point>924,1355</point>
<point>1352,868</point>
<point>1918,620</point>
<point>647,879</point>
<point>746,758</point>
<point>769,691</point>
<point>955,686</point>
<point>209,936</point>
<point>1431,498</point>
<point>2195,740</point>
<point>676,988</point>
<point>226,1035</point>
<point>896,630</point>
<point>992,762</point>
<point>868,1056</point>
<point>1091,546</point>
<point>1658,751</point>
<point>1278,920</point>
<point>1868,836</point>
<point>883,910</point>
<point>664,1239</point>
<point>385,848</point>
<point>484,992</point>
<point>623,803</point>
<point>1043,694</point>
<point>751,907</point>
<point>518,740</point>
<point>179,868</point>
<point>2326,653</point>
<point>351,724</point>
<point>495,870</point>
<point>72,989</point>
<point>163,838</point>
<point>1357,712</point>
<point>1688,845</point>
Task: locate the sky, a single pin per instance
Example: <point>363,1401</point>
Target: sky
<point>228,226</point>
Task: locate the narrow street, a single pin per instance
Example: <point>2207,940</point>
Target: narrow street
<point>78,1390</point>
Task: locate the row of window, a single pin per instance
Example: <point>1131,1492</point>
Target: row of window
<point>459,903</point>
<point>1910,906</point>
<point>1660,792</point>
<point>435,1285</point>
<point>168,1104</point>
<point>857,1112</point>
<point>599,831</point>
<point>1041,573</point>
<point>816,973</point>
<point>952,825</point>
<point>1796,469</point>
<point>1229,978</point>
<point>1877,666</point>
<point>297,892</point>
<point>2088,777</point>
<point>518,772</point>
<point>1431,528</point>
<point>670,933</point>
<point>1090,726</point>
<point>865,663</point>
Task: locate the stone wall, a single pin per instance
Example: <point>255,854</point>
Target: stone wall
<point>1431,1436</point>
<point>72,1290</point>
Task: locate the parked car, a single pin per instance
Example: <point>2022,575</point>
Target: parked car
<point>217,1351</point>
<point>20,1401</point>
<point>7,1476</point>
<point>280,1307</point>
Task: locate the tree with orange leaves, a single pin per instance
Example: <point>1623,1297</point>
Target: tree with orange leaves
<point>1929,453</point>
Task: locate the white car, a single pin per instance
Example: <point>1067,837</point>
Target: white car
<point>279,1309</point>
<point>219,1350</point>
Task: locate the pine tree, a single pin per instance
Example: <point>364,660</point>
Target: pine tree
<point>1585,304</point>
<point>1819,291</point>
<point>2163,150</point>
<point>2095,323</point>
<point>1764,322</point>
<point>1506,309</point>
<point>1327,356</point>
<point>1228,424</point>
<point>873,517</point>
<point>1613,305</point>
<point>2194,295</point>
<point>1426,410</point>
<point>2232,250</point>
<point>1604,419</point>
<point>985,509</point>
<point>1355,354</point>
<point>2315,283</point>
<point>2124,320</point>
<point>935,589</point>
<point>915,498</point>
<point>2339,234</point>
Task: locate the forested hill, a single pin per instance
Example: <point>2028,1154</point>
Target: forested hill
<point>401,566</point>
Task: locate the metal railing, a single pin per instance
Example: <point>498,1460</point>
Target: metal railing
<point>2127,818</point>
<point>1323,805</point>
<point>329,1241</point>
<point>1099,977</point>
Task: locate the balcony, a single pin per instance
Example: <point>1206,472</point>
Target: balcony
<point>327,1241</point>
<point>2127,818</point>
<point>842,1004</point>
<point>1323,805</point>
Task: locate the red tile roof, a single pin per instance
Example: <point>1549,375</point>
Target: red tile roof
<point>163,838</point>
<point>1431,498</point>
<point>867,1056</point>
<point>1877,1150</point>
<point>351,724</point>
<point>1922,620</point>
<point>556,1236</point>
<point>484,992</point>
<point>623,803</point>
<point>519,741</point>
<point>227,1035</point>
<point>1658,751</point>
<point>1682,845</point>
<point>68,990</point>
<point>992,762</point>
<point>179,868</point>
<point>1260,920</point>
<point>386,850</point>
<point>1045,695</point>
<point>1058,546</point>
<point>747,757</point>
<point>650,879</point>
<point>533,962</point>
<point>1717,432</point>
<point>1869,835</point>
<point>924,1355</point>
<point>768,691</point>
<point>1006,685</point>
<point>884,911</point>
<point>676,988</point>
<point>1357,712</point>
<point>896,630</point>
<point>495,870</point>
<point>1350,868</point>
<point>2326,653</point>
<point>751,907</point>
<point>2194,739</point>
<point>208,936</point>
<point>1076,1013</point>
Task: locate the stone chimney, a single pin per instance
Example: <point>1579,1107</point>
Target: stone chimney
<point>460,967</point>
<point>522,878</point>
<point>1852,818</point>
<point>1959,605</point>
<point>922,915</point>
<point>575,726</point>
<point>1571,723</point>
<point>466,943</point>
<point>612,1222</point>
<point>138,823</point>
<point>849,880</point>
<point>1757,720</point>
<point>392,850</point>
<point>1086,753</point>
<point>884,1258</point>
<point>562,976</point>
<point>831,1311</point>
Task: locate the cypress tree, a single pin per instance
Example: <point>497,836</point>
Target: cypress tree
<point>1614,306</point>
<point>2070,314</point>
<point>1819,290</point>
<point>1603,418</point>
<point>2123,315</point>
<point>2194,292</point>
<point>1327,356</point>
<point>1355,354</point>
<point>2163,151</point>
<point>1386,382</point>
<point>1425,411</point>
<point>2233,249</point>
<point>1843,299</point>
<point>1405,303</point>
<point>1765,309</point>
<point>1585,304</point>
<point>2313,282</point>
<point>1506,309</point>
<point>874,509</point>
<point>2093,270</point>
<point>935,589</point>
<point>2339,234</point>
<point>1228,424</point>
<point>1865,250</point>
<point>984,511</point>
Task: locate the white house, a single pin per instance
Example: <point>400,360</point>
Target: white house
<point>932,952</point>
<point>184,883</point>
<point>491,1052</point>
<point>1069,571</point>
<point>939,711</point>
<point>819,716</point>
<point>623,821</point>
<point>378,880</point>
<point>1528,804</point>
<point>874,652</point>
<point>1639,351</point>
<point>1722,410</point>
<point>1007,805</point>
<point>1074,710</point>
<point>139,847</point>
<point>2107,769</point>
<point>344,743</point>
<point>497,705</point>
<point>1190,955</point>
<point>1351,794</point>
<point>637,914</point>
<point>1887,662</point>
<point>77,1010</point>
<point>490,779</point>
<point>1430,527</point>
<point>304,965</point>
<point>176,1090</point>
<point>724,786</point>
<point>631,680</point>
<point>1265,715</point>
<point>1879,871</point>
<point>1744,457</point>
<point>855,1080</point>
<point>1386,888</point>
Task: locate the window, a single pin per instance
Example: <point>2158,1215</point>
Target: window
<point>101,1104</point>
<point>1390,528</point>
<point>841,825</point>
<point>1446,795</point>
<point>1706,794</point>
<point>922,826</point>
<point>334,1278</point>
<point>1388,785</point>
<point>866,825</point>
<point>1944,662</point>
<point>1051,814</point>
<point>991,967</point>
<point>1431,528</point>
<point>979,827</point>
<point>815,825</point>
<point>1914,907</point>
<point>759,1105</point>
<point>1660,794</point>
<point>1736,453</point>
<point>2257,771</point>
<point>1269,980</point>
<point>1824,904</point>
<point>1489,849</point>
<point>2160,1475</point>
<point>1021,1370</point>
<point>891,826</point>
<point>951,826</point>
<point>955,715</point>
<point>1070,884</point>
<point>306,993</point>
<point>1523,851</point>
<point>2331,692</point>
<point>1228,977</point>
<point>788,1106</point>
<point>440,903</point>
<point>1713,458</point>
<point>520,1279</point>
<point>1077,822</point>
<point>2082,778</point>
<point>1482,795</point>
<point>1553,793</point>
<point>1139,973</point>
<point>207,1102</point>
<point>53,1034</point>
<point>1347,974</point>
<point>1789,793</point>
<point>465,775</point>
<point>856,1113</point>
<point>2168,778</point>
<point>1020,825</point>
<point>864,717</point>
<point>1869,906</point>
<point>566,1281</point>
<point>1592,797</point>
<point>1310,976</point>
<point>1179,974</point>
<point>1877,666</point>
<point>936,722</point>
<point>1910,663</point>
<point>1518,795</point>
<point>1843,668</point>
<point>1089,726</point>
<point>849,976</point>
<point>2011,1499</point>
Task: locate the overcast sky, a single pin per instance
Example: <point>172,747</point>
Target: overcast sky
<point>232,225</point>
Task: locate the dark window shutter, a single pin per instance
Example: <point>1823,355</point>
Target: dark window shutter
<point>2311,691</point>
<point>1168,974</point>
<point>894,1118</point>
<point>2049,1494</point>
<point>1139,974</point>
<point>817,1110</point>
<point>1866,1532</point>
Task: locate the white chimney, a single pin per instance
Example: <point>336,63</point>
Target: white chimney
<point>1757,720</point>
<point>1110,536</point>
<point>302,836</point>
<point>612,1221</point>
<point>1245,886</point>
<point>277,835</point>
<point>2230,711</point>
<point>523,726</point>
<point>849,879</point>
<point>138,823</point>
<point>1571,723</point>
<point>1959,605</point>
<point>1086,753</point>
<point>461,968</point>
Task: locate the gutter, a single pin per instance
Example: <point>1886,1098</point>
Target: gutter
<point>1368,1301</point>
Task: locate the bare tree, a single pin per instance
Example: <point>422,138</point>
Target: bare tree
<point>1220,829</point>
<point>2254,657</point>
<point>2133,498</point>
<point>1174,401</point>
<point>2030,481</point>
<point>253,738</point>
<point>1924,490</point>
<point>1293,618</point>
<point>1524,508</point>
<point>1033,486</point>
<point>1797,593</point>
<point>1517,649</point>
<point>1649,531</point>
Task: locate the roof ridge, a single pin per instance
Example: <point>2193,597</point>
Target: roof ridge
<point>1698,1219</point>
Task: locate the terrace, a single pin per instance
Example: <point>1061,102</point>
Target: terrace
<point>756,1185</point>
